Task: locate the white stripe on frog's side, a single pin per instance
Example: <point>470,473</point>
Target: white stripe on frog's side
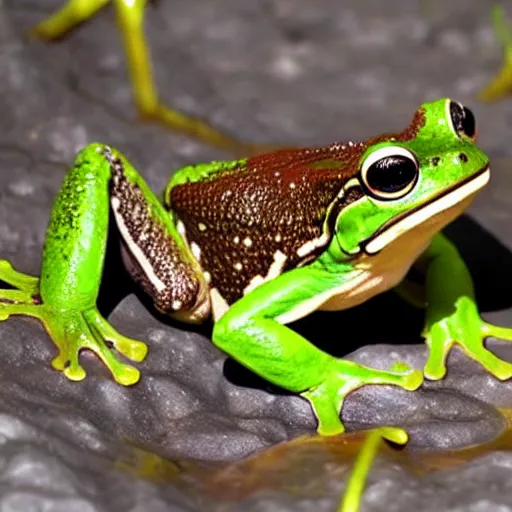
<point>275,269</point>
<point>312,304</point>
<point>435,207</point>
<point>181,229</point>
<point>324,239</point>
<point>135,249</point>
<point>219,304</point>
<point>351,183</point>
<point>196,251</point>
<point>312,245</point>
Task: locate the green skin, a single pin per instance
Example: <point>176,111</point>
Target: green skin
<point>252,329</point>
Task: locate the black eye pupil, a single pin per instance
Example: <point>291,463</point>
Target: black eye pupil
<point>463,119</point>
<point>391,174</point>
<point>469,123</point>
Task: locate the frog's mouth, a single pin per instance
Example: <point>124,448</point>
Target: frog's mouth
<point>413,218</point>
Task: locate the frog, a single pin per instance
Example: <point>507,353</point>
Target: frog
<point>255,244</point>
<point>130,23</point>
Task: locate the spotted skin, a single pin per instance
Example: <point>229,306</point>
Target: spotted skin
<point>243,218</point>
<point>174,283</point>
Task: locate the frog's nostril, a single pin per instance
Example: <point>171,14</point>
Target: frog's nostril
<point>435,161</point>
<point>463,157</point>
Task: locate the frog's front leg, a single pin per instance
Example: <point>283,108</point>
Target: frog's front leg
<point>252,332</point>
<point>65,297</point>
<point>452,315</point>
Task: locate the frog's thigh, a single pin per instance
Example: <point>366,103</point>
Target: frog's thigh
<point>76,241</point>
<point>153,251</point>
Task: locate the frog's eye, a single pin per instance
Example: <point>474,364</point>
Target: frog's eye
<point>390,172</point>
<point>463,120</point>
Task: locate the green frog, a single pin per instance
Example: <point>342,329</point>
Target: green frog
<point>258,243</point>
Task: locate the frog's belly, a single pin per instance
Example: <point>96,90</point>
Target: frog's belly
<point>388,268</point>
<point>376,274</point>
<point>371,276</point>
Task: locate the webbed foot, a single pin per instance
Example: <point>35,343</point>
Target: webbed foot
<point>464,327</point>
<point>70,330</point>
<point>344,377</point>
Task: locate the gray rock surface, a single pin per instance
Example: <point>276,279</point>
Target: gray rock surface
<point>269,71</point>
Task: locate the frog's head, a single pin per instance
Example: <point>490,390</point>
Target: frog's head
<point>420,179</point>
